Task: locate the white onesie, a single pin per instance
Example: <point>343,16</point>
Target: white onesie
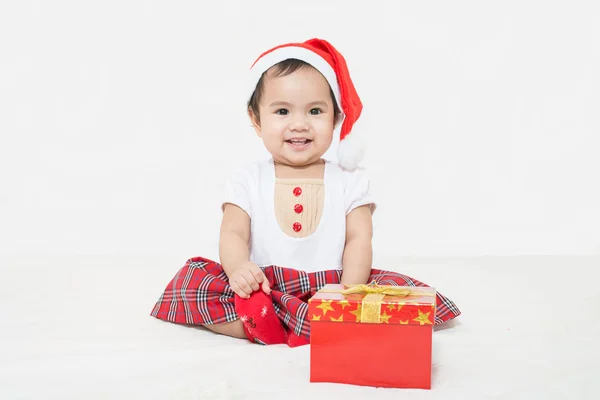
<point>253,189</point>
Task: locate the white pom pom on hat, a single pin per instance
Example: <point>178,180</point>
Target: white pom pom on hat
<point>331,64</point>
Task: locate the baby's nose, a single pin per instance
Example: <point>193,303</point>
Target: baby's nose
<point>299,122</point>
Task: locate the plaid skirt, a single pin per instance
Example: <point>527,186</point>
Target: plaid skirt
<point>200,294</point>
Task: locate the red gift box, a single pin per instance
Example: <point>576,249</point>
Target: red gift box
<point>372,335</point>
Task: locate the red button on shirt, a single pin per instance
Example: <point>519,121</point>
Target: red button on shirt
<point>298,208</point>
<point>297,191</point>
<point>297,227</point>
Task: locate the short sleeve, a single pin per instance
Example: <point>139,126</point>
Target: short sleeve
<point>357,191</point>
<point>237,191</point>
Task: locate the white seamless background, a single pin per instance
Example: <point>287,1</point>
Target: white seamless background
<point>121,121</point>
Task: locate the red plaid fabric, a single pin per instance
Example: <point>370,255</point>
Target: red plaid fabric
<point>200,294</point>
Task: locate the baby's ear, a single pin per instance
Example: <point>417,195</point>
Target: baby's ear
<point>338,120</point>
<point>255,121</point>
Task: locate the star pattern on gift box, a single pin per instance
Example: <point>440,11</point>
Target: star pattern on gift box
<point>325,306</point>
<point>344,303</point>
<point>393,310</point>
<point>357,313</point>
<point>385,318</point>
<point>423,318</point>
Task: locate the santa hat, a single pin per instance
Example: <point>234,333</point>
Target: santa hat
<point>331,64</point>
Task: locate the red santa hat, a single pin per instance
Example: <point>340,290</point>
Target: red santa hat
<point>331,64</point>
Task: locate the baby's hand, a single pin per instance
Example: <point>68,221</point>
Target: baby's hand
<point>248,278</point>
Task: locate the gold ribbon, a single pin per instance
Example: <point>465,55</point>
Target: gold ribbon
<point>370,312</point>
<point>374,288</point>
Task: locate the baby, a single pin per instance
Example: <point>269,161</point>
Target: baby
<point>294,222</point>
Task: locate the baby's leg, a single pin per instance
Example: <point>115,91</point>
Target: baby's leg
<point>234,329</point>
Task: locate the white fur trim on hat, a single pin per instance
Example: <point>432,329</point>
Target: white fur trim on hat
<point>351,151</point>
<point>299,53</point>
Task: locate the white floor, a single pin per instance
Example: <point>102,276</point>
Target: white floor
<point>79,328</point>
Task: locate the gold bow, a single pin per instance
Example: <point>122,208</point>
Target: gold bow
<point>371,304</point>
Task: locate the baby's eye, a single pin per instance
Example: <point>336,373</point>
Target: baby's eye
<point>281,111</point>
<point>315,111</point>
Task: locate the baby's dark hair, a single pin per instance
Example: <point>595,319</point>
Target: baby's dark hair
<point>280,69</point>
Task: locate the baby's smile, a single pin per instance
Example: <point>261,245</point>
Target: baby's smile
<point>299,143</point>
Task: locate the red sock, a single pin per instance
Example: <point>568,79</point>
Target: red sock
<point>294,340</point>
<point>261,323</point>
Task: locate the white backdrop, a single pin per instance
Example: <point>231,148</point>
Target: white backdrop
<point>121,120</point>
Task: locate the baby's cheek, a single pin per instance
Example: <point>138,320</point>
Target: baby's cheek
<point>274,136</point>
<point>275,128</point>
<point>324,132</point>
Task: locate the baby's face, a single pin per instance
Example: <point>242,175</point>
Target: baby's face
<point>296,117</point>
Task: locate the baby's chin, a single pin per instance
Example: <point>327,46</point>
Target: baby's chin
<point>299,161</point>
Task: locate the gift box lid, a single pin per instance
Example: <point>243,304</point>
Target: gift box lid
<point>376,304</point>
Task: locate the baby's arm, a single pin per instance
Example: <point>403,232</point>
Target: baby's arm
<point>244,276</point>
<point>235,235</point>
<point>358,253</point>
